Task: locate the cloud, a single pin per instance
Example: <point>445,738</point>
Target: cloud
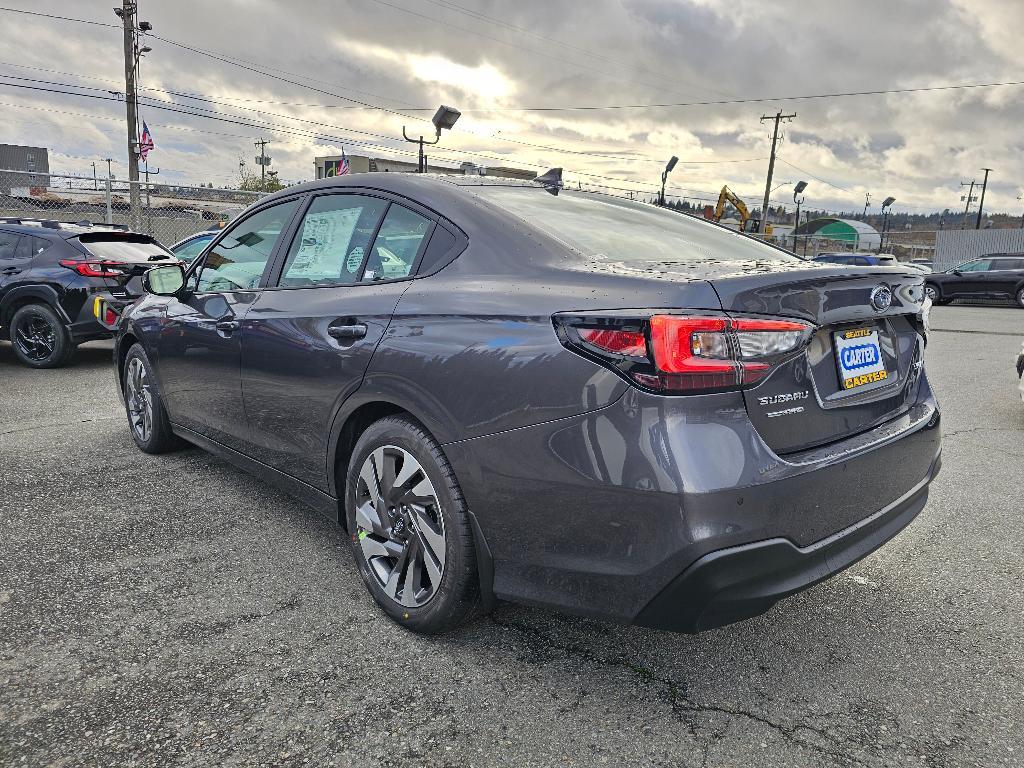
<point>305,73</point>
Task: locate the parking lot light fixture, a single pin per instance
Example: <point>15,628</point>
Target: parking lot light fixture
<point>886,206</point>
<point>798,190</point>
<point>664,177</point>
<point>443,119</point>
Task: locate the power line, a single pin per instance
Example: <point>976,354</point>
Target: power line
<point>61,18</point>
<point>758,100</point>
<point>560,150</point>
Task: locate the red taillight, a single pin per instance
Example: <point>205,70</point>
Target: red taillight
<point>681,353</point>
<point>712,352</point>
<point>616,341</point>
<point>95,268</point>
<point>693,351</point>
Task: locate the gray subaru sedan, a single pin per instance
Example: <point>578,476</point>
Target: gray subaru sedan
<point>516,391</point>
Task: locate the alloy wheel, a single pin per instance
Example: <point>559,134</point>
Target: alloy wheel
<point>35,337</point>
<point>139,397</point>
<point>930,292</point>
<point>399,525</point>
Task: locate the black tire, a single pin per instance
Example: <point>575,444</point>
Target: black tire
<point>937,298</point>
<point>1020,297</point>
<point>39,337</point>
<point>453,599</point>
<point>152,433</point>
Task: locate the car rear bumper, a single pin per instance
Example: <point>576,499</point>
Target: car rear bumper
<point>738,583</point>
<point>609,513</point>
<point>89,326</point>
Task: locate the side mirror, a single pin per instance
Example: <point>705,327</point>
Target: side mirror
<point>958,273</point>
<point>164,281</point>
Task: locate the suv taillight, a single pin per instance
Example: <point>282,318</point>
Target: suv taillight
<point>96,268</point>
<point>685,353</point>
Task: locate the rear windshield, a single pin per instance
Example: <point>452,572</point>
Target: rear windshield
<point>128,247</point>
<point>608,227</point>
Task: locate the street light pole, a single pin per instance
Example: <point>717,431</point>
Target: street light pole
<point>886,210</point>
<point>981,202</point>
<point>445,117</point>
<point>800,187</point>
<point>664,177</point>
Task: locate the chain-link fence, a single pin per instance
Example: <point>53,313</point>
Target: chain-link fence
<point>904,245</point>
<point>168,212</point>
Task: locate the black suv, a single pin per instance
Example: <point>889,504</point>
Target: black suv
<point>63,284</point>
<point>996,276</point>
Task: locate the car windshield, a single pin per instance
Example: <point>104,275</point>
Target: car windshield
<point>623,230</point>
<point>189,249</point>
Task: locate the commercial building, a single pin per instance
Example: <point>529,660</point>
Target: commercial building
<point>33,162</point>
<point>859,235</point>
<point>328,166</point>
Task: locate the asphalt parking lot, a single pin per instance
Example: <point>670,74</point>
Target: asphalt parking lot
<point>174,611</point>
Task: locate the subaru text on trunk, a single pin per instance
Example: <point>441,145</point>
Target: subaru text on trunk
<point>522,392</point>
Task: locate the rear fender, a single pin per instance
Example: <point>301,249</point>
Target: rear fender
<point>26,294</point>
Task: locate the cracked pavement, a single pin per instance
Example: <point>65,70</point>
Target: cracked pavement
<point>174,611</point>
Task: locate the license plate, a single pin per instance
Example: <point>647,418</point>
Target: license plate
<point>859,357</point>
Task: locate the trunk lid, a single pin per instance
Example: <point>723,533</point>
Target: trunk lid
<point>812,399</point>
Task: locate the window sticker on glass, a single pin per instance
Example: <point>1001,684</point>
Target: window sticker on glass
<point>324,237</point>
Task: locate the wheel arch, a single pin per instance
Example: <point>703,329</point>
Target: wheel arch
<point>124,343</point>
<point>18,297</point>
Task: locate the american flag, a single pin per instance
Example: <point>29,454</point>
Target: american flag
<point>146,144</point>
<point>343,169</point>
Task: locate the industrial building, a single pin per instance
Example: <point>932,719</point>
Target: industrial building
<point>328,166</point>
<point>34,162</point>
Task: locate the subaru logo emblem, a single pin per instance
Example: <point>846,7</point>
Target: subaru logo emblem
<point>881,298</point>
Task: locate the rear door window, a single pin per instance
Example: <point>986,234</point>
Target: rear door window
<point>39,245</point>
<point>402,237</point>
<point>8,245</point>
<point>331,244</point>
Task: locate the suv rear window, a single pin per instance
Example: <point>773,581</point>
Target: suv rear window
<point>114,246</point>
<point>622,230</point>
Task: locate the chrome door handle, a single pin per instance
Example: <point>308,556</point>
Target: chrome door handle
<point>227,326</point>
<point>354,331</point>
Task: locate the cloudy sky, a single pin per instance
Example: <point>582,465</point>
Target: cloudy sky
<point>312,76</point>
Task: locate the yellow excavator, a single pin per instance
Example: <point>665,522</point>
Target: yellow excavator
<point>747,224</point>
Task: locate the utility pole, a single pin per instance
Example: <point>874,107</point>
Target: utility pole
<point>263,161</point>
<point>771,164</point>
<point>127,13</point>
<point>95,182</point>
<point>981,203</point>
<point>970,199</point>
<point>867,202</point>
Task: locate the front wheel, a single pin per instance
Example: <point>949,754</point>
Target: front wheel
<point>932,292</point>
<point>39,338</point>
<point>1020,297</point>
<point>411,537</point>
<point>147,418</point>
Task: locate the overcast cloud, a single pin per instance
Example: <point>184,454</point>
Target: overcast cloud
<point>488,58</point>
